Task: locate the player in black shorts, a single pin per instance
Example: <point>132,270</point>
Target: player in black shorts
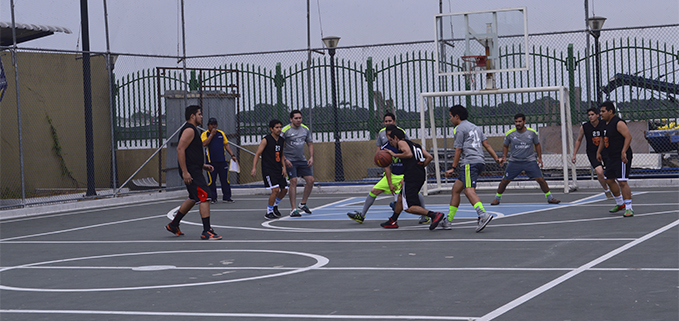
<point>190,158</point>
<point>273,167</point>
<point>592,131</point>
<point>414,159</point>
<point>617,140</point>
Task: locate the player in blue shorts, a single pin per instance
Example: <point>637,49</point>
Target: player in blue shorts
<point>522,157</point>
<point>296,135</point>
<point>469,144</point>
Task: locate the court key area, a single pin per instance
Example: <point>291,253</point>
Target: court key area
<point>534,261</point>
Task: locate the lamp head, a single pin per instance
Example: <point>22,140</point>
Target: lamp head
<point>596,23</point>
<point>331,41</point>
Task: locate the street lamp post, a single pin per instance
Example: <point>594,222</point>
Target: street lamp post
<point>595,24</point>
<point>331,42</point>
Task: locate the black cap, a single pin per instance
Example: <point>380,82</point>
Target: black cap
<point>212,121</point>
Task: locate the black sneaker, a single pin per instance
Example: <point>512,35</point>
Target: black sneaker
<point>389,224</point>
<point>270,216</point>
<point>210,235</point>
<point>436,220</point>
<point>229,201</point>
<point>173,229</point>
<point>356,216</point>
<point>276,212</point>
<point>213,201</point>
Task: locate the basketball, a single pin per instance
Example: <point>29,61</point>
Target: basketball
<point>382,158</point>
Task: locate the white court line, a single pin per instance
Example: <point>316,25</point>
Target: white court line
<point>243,315</point>
<point>530,295</point>
<point>320,261</point>
<point>330,241</point>
<point>83,211</point>
<point>350,268</point>
<point>80,228</point>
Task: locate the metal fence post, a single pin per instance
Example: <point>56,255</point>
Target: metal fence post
<point>370,79</point>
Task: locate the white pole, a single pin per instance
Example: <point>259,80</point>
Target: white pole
<point>422,139</point>
<point>564,138</point>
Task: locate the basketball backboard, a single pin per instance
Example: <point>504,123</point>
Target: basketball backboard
<point>498,38</point>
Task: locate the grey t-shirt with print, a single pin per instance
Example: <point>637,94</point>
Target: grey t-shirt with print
<point>295,138</point>
<point>382,136</point>
<point>470,138</point>
<point>521,144</point>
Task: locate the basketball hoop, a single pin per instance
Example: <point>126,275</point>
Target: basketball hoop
<point>471,62</point>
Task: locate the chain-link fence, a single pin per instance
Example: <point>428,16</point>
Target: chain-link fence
<point>43,156</point>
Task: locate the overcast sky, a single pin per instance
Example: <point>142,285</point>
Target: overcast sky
<point>237,26</point>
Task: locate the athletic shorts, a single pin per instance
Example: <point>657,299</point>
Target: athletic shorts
<point>198,189</point>
<point>409,191</point>
<point>383,185</point>
<point>595,163</point>
<point>515,168</point>
<point>299,169</point>
<point>616,169</point>
<point>469,173</point>
<point>274,180</point>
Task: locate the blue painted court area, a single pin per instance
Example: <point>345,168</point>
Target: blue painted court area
<point>338,210</point>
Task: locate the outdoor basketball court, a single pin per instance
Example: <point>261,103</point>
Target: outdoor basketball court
<point>534,261</point>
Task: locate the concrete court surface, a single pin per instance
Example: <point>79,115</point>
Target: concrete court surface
<point>534,261</point>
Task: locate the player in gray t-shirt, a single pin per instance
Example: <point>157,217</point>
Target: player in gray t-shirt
<point>296,135</point>
<point>522,157</point>
<point>469,144</point>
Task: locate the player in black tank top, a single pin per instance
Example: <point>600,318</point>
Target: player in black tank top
<point>616,141</point>
<point>273,167</point>
<point>191,166</point>
<point>414,159</point>
<point>592,131</point>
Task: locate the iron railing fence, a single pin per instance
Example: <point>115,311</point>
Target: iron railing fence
<point>639,69</point>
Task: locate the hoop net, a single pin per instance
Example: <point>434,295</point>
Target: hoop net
<point>471,62</point>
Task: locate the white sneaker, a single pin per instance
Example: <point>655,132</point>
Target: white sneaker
<point>446,224</point>
<point>483,221</point>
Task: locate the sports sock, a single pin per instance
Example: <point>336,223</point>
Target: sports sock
<point>628,204</point>
<point>177,218</point>
<point>206,223</point>
<point>277,201</point>
<point>549,196</point>
<point>607,190</point>
<point>618,200</point>
<point>498,196</point>
<point>419,195</point>
<point>451,212</point>
<point>369,200</point>
<point>269,209</point>
<point>479,209</point>
<point>394,216</point>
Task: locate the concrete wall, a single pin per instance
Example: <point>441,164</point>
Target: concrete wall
<point>51,85</point>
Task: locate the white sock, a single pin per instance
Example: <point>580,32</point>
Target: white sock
<point>628,204</point>
<point>618,200</point>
